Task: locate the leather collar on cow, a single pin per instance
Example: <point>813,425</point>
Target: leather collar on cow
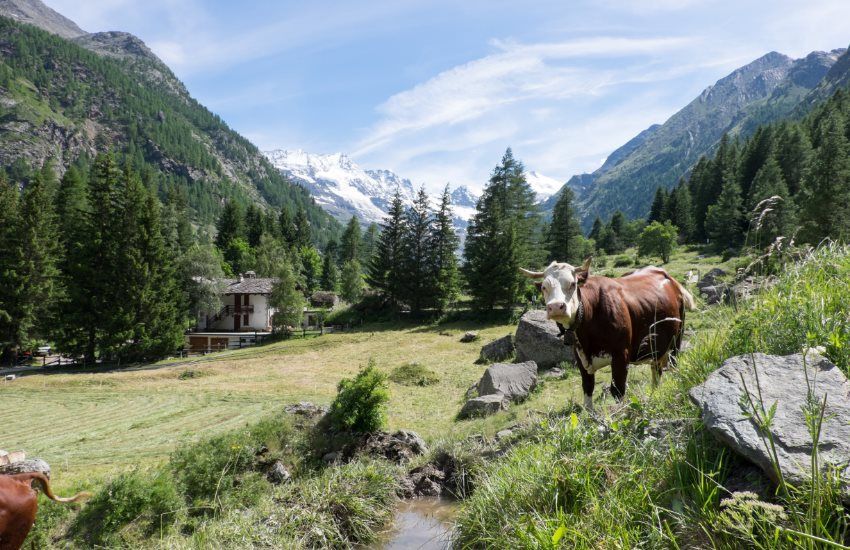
<point>576,324</point>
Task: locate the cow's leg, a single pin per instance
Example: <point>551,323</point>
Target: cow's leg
<point>619,373</point>
<point>658,367</point>
<point>587,382</point>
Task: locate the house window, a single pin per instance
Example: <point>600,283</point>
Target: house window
<point>245,319</point>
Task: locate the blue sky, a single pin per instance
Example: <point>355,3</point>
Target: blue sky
<point>436,90</point>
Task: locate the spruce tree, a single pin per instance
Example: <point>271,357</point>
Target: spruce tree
<point>826,186</point>
<point>231,225</point>
<point>254,225</point>
<point>680,211</point>
<point>771,208</point>
<point>753,156</point>
<point>36,257</point>
<point>286,227</point>
<point>351,285</point>
<point>385,270</point>
<point>416,255</point>
<point>566,243</point>
<point>658,210</point>
<point>370,242</point>
<point>8,269</point>
<point>793,152</point>
<point>613,241</point>
<point>330,273</point>
<point>444,244</point>
<point>303,232</point>
<point>351,245</point>
<point>596,232</point>
<point>724,221</point>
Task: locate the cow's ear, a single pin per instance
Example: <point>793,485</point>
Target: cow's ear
<point>583,272</point>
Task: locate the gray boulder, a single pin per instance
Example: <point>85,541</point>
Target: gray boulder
<point>538,339</point>
<point>497,350</point>
<point>468,337</point>
<point>483,406</point>
<point>711,288</point>
<point>748,287</point>
<point>278,473</point>
<point>514,381</point>
<point>783,383</point>
<point>26,466</point>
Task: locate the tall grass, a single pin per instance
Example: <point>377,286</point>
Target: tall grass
<point>579,484</point>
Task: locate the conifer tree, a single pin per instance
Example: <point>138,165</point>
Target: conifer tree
<point>793,152</point>
<point>303,232</point>
<point>351,285</point>
<point>724,221</point>
<point>370,242</point>
<point>680,211</point>
<point>501,237</point>
<point>658,210</point>
<point>385,271</point>
<point>826,186</point>
<point>231,225</point>
<point>444,244</point>
<point>8,270</point>
<point>566,242</point>
<point>596,232</point>
<point>287,228</point>
<point>36,259</point>
<point>254,225</point>
<point>351,245</point>
<point>613,241</point>
<point>771,208</point>
<point>330,273</point>
<point>416,255</point>
<point>269,254</point>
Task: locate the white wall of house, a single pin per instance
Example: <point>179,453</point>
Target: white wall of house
<point>259,320</point>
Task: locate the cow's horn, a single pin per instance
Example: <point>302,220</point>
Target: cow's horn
<point>532,274</point>
<point>586,265</point>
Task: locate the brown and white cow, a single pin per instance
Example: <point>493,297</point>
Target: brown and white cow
<point>636,318</point>
<point>19,504</point>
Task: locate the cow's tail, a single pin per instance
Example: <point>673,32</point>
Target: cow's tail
<point>687,297</point>
<point>45,486</point>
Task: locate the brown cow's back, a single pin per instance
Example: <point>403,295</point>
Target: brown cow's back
<point>18,506</point>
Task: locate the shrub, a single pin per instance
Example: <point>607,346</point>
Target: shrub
<point>360,404</point>
<point>134,505</point>
<point>414,374</point>
<point>623,261</point>
<point>207,469</point>
<point>658,240</point>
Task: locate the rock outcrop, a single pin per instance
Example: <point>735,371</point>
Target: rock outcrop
<point>497,350</point>
<point>712,290</point>
<point>784,382</point>
<point>398,447</point>
<point>514,381</point>
<point>538,339</point>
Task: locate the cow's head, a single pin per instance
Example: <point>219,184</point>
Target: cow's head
<point>559,283</point>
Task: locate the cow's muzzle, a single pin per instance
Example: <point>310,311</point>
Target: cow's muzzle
<point>556,310</point>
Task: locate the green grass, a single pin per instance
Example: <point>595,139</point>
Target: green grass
<point>574,484</point>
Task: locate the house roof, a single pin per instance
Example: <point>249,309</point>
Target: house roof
<point>249,285</point>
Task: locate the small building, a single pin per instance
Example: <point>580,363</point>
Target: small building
<point>245,316</point>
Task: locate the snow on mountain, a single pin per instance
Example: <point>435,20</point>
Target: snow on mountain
<point>340,185</point>
<point>544,186</point>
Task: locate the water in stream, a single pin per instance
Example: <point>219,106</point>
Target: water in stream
<point>421,524</point>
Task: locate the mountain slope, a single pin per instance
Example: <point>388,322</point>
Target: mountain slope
<point>34,12</point>
<point>765,90</point>
<point>59,99</point>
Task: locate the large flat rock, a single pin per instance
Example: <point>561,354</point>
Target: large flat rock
<point>514,381</point>
<point>484,406</point>
<point>783,381</point>
<point>538,339</point>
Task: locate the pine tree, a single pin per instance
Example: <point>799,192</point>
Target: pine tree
<point>231,225</point>
<point>303,232</point>
<point>416,255</point>
<point>793,152</point>
<point>597,232</point>
<point>771,208</point>
<point>613,236</point>
<point>724,221</point>
<point>8,269</point>
<point>826,186</point>
<point>444,244</point>
<point>753,156</point>
<point>658,210</point>
<point>385,271</point>
<point>254,225</point>
<point>330,273</point>
<point>566,243</point>
<point>680,211</point>
<point>370,242</point>
<point>36,257</point>
<point>351,285</point>
<point>287,228</point>
<point>502,236</point>
<point>351,244</point>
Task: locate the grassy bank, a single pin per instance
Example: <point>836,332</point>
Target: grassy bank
<point>651,476</point>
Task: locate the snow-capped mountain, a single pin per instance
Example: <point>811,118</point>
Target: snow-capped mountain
<point>340,185</point>
<point>544,186</point>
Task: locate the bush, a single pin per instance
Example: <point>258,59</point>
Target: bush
<point>658,240</point>
<point>204,471</point>
<point>414,374</point>
<point>132,506</point>
<point>360,404</point>
<point>623,261</point>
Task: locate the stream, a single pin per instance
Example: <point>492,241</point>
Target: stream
<point>421,524</point>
